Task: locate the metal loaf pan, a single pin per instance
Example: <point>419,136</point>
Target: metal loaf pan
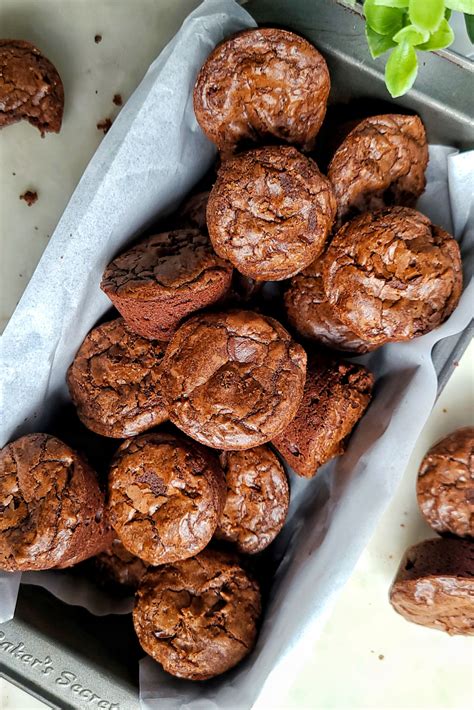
<point>62,654</point>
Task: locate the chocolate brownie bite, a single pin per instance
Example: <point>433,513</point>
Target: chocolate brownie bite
<point>392,275</point>
<point>336,395</point>
<point>270,212</point>
<point>233,380</point>
<point>198,617</point>
<point>445,485</point>
<point>434,586</point>
<point>164,278</point>
<point>257,501</point>
<point>117,569</point>
<point>52,506</point>
<point>312,316</point>
<point>30,87</point>
<point>381,162</point>
<point>114,381</point>
<point>262,84</point>
<point>166,495</point>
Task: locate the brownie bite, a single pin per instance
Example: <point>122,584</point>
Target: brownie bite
<point>312,316</point>
<point>166,495</point>
<point>445,485</point>
<point>117,569</point>
<point>164,278</point>
<point>335,397</point>
<point>114,381</point>
<point>259,85</point>
<point>381,162</point>
<point>233,380</point>
<point>392,275</point>
<point>52,506</point>
<point>270,212</point>
<point>257,501</point>
<point>198,617</point>
<point>434,586</point>
<point>30,87</point>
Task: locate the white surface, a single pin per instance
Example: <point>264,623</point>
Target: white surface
<point>79,33</point>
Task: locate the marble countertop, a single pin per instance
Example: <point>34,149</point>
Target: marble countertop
<point>367,656</point>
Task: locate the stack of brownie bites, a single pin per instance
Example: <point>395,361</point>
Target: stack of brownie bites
<point>434,585</point>
<point>209,392</point>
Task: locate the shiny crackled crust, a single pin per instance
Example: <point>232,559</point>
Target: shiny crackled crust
<point>335,397</point>
<point>166,496</point>
<point>114,381</point>
<point>198,617</point>
<point>257,498</point>
<point>392,275</point>
<point>270,212</point>
<point>30,87</point>
<point>52,510</point>
<point>382,161</point>
<point>445,485</point>
<point>164,278</point>
<point>312,316</point>
<point>233,380</point>
<point>262,84</point>
<point>116,568</point>
<point>434,586</point>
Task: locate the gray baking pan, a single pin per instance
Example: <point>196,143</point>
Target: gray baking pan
<point>61,653</point>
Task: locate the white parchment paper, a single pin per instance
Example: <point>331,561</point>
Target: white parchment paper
<point>149,160</point>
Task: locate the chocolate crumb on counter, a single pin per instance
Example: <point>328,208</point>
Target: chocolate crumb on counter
<point>118,101</point>
<point>104,125</point>
<point>98,39</point>
<point>30,197</point>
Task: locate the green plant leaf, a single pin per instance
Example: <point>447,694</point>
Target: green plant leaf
<point>401,70</point>
<point>411,35</point>
<point>378,44</point>
<point>469,20</point>
<point>426,14</point>
<point>440,39</point>
<point>447,13</point>
<point>384,20</point>
<point>461,6</point>
<point>392,3</point>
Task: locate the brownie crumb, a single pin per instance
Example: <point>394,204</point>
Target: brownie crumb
<point>36,229</point>
<point>118,101</point>
<point>104,125</point>
<point>14,174</point>
<point>381,656</point>
<point>445,411</point>
<point>30,197</point>
<point>98,39</point>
